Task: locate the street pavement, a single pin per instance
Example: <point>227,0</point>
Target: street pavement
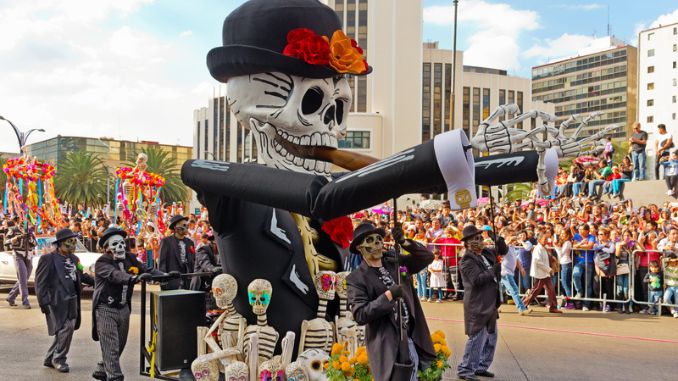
<point>572,346</point>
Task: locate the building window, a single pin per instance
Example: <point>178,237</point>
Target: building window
<point>650,53</point>
<point>519,102</point>
<point>650,69</point>
<point>673,116</point>
<point>466,110</point>
<point>674,82</point>
<point>675,31</point>
<point>197,155</point>
<point>650,86</point>
<point>649,36</point>
<point>437,97</point>
<point>673,99</point>
<point>650,119</point>
<point>486,103</point>
<point>650,102</point>
<point>476,110</point>
<point>502,101</point>
<point>356,139</point>
<point>448,96</point>
<point>426,104</point>
<point>675,47</point>
<point>674,64</point>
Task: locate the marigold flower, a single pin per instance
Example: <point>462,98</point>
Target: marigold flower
<point>345,54</point>
<point>343,359</point>
<point>346,367</point>
<point>337,349</point>
<point>436,347</point>
<point>440,364</point>
<point>336,365</point>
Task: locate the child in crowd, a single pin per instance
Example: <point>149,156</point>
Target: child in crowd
<point>671,280</point>
<point>671,173</point>
<point>436,269</point>
<point>654,286</point>
<point>140,252</point>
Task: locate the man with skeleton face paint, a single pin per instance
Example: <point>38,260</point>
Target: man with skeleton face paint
<point>116,273</point>
<point>373,293</point>
<point>177,254</point>
<point>480,272</point>
<point>58,281</point>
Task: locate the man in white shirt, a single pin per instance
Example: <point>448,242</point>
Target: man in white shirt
<point>541,271</point>
<point>669,243</point>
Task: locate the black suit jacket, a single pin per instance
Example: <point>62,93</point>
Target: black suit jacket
<point>205,261</point>
<point>170,260</point>
<point>371,308</point>
<point>50,288</point>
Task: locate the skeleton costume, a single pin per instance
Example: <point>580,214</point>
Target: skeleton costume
<point>346,329</point>
<point>116,273</point>
<point>319,333</point>
<point>259,295</point>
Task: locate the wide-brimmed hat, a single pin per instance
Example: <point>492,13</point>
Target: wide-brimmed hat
<point>110,232</point>
<point>175,220</point>
<point>470,231</point>
<point>362,231</point>
<point>63,235</point>
<point>255,36</point>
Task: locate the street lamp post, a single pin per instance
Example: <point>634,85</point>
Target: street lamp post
<point>454,67</point>
<point>22,137</point>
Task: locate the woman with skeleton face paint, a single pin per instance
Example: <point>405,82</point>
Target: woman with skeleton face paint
<point>373,293</point>
<point>117,271</point>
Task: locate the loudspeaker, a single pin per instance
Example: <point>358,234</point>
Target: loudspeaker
<point>177,314</point>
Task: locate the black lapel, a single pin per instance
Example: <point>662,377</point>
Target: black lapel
<point>273,227</point>
<point>61,274</point>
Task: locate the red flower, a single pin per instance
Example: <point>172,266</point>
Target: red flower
<point>340,230</point>
<point>192,250</point>
<point>305,44</point>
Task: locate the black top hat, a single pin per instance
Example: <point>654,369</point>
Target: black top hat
<point>108,233</point>
<point>470,231</point>
<point>63,235</point>
<point>362,231</point>
<point>175,220</point>
<point>255,34</point>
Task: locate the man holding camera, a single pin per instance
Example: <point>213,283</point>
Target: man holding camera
<point>22,242</point>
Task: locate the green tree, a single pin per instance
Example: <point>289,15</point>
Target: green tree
<point>81,179</point>
<point>161,163</point>
<point>519,191</point>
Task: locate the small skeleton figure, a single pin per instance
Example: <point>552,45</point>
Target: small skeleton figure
<point>206,367</point>
<point>296,372</point>
<point>319,333</point>
<point>346,329</point>
<point>237,371</point>
<point>259,294</point>
<point>313,361</point>
<point>230,325</point>
<point>142,159</point>
<point>271,370</point>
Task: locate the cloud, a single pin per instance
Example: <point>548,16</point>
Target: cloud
<point>186,33</point>
<point>496,29</point>
<point>563,46</point>
<point>580,7</point>
<point>79,68</point>
<point>665,19</point>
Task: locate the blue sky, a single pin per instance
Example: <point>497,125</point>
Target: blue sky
<point>135,69</point>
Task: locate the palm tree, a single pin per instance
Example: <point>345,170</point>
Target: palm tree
<point>81,179</point>
<point>161,163</point>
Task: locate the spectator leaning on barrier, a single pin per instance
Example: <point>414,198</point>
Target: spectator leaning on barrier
<point>624,252</point>
<point>654,282</point>
<point>564,251</point>
<point>606,265</point>
<point>583,270</point>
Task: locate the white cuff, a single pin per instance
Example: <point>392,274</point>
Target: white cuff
<point>457,167</point>
<point>551,162</point>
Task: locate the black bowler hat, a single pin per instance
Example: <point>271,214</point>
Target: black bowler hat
<point>175,220</point>
<point>108,233</point>
<point>470,231</point>
<point>63,235</point>
<point>362,231</point>
<point>255,34</point>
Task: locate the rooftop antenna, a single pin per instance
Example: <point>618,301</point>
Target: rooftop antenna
<point>608,21</point>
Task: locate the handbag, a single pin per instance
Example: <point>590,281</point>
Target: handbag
<point>623,268</point>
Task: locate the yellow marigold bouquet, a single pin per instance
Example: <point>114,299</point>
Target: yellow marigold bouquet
<point>435,371</point>
<point>342,367</point>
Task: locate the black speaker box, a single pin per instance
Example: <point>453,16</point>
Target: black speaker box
<point>178,313</point>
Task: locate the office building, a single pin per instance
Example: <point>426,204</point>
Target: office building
<point>601,78</point>
<point>657,80</point>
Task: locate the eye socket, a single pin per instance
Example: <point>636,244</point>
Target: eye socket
<point>316,365</point>
<point>340,111</point>
<point>312,101</point>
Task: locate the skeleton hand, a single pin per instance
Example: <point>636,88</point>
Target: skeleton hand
<point>575,146</point>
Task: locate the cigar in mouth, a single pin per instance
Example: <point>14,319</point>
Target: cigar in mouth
<point>345,159</point>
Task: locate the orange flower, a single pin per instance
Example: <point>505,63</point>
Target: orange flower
<point>436,347</point>
<point>345,367</point>
<point>336,365</point>
<point>440,363</point>
<point>345,54</point>
<point>362,359</point>
<point>133,270</point>
<point>337,348</point>
<point>343,359</point>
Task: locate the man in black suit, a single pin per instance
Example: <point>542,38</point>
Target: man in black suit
<point>58,285</point>
<point>480,271</point>
<point>177,254</point>
<point>205,262</point>
<point>373,293</point>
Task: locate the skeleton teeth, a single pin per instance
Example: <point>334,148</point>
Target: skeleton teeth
<point>326,140</point>
<point>283,134</point>
<point>296,140</point>
<point>290,156</point>
<point>283,151</point>
<point>290,138</point>
<point>305,140</point>
<point>277,146</point>
<point>319,166</point>
<point>316,140</point>
<point>309,164</point>
<point>298,161</point>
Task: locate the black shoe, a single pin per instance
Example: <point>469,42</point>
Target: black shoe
<point>485,373</point>
<point>99,375</point>
<point>48,363</point>
<point>26,306</point>
<point>63,368</point>
<point>11,302</point>
<point>469,378</point>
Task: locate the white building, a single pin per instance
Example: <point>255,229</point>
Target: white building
<point>657,81</point>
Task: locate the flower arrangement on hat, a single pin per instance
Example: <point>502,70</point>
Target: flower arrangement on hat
<point>339,52</point>
<point>435,371</point>
<point>343,367</point>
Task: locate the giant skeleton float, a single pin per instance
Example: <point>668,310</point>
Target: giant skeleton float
<point>279,226</point>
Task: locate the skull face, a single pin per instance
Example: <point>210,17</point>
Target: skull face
<point>372,247</point>
<point>116,246</point>
<point>181,228</point>
<point>295,371</point>
<point>69,245</point>
<point>237,371</point>
<point>313,361</point>
<point>288,113</point>
<point>270,371</point>
<point>259,295</point>
<point>224,288</point>
<point>325,284</point>
<point>205,370</point>
<point>340,286</point>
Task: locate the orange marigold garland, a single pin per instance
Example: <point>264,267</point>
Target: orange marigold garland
<point>435,371</point>
<point>342,366</point>
<point>339,52</point>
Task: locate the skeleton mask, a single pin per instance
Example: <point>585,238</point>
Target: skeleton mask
<point>372,247</point>
<point>259,295</point>
<point>116,246</point>
<point>206,370</point>
<point>295,371</point>
<point>325,284</point>
<point>313,361</point>
<point>287,112</point>
<point>142,158</point>
<point>270,371</point>
<point>340,286</point>
<point>69,245</point>
<point>224,288</point>
<point>237,371</point>
<point>181,228</point>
